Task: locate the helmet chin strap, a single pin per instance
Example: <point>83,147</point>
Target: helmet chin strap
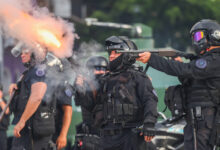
<point>211,48</point>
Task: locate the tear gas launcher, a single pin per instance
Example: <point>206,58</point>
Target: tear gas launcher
<point>167,52</point>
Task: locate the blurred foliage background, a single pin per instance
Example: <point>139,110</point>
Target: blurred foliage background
<point>170,20</point>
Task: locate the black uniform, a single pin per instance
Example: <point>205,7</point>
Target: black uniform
<point>38,130</point>
<point>86,132</point>
<point>201,84</point>
<point>128,100</point>
<point>63,96</point>
<point>3,128</point>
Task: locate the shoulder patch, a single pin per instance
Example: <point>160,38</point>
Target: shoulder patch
<point>201,63</point>
<point>40,71</point>
<point>68,92</point>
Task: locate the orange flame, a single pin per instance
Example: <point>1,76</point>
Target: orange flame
<point>48,37</point>
<point>43,35</point>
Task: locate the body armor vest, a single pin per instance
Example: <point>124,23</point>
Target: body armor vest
<point>204,92</point>
<point>201,94</point>
<point>121,105</point>
<point>87,116</point>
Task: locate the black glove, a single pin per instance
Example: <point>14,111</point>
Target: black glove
<point>149,130</point>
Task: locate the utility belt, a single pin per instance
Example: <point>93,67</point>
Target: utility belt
<point>84,128</point>
<point>116,129</point>
<point>112,132</point>
<point>198,114</point>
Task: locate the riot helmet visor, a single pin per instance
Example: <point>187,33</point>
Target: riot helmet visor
<point>197,36</point>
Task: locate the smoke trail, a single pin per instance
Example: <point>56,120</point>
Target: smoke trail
<point>22,20</point>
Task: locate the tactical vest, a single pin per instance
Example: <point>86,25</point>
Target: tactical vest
<point>201,94</point>
<point>121,105</point>
<point>87,116</point>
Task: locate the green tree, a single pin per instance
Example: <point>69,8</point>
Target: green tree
<point>171,20</point>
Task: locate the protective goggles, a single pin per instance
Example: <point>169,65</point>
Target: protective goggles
<point>197,36</point>
<point>100,68</point>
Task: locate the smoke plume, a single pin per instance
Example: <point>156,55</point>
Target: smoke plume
<point>35,26</point>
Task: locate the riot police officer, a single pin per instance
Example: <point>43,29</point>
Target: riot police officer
<point>63,117</point>
<point>33,118</point>
<point>4,122</point>
<point>86,91</point>
<point>127,99</point>
<point>201,82</point>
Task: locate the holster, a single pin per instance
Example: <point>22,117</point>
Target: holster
<point>43,122</point>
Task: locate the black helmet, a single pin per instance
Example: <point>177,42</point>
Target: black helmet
<point>205,33</point>
<point>97,62</point>
<point>120,43</point>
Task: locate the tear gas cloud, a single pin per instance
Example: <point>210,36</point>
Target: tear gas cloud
<point>71,72</point>
<point>36,26</point>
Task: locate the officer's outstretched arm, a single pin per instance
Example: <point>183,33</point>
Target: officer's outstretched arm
<point>67,116</point>
<point>200,68</point>
<point>38,90</point>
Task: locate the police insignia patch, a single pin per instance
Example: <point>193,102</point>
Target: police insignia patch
<point>40,72</point>
<point>68,92</point>
<point>201,63</point>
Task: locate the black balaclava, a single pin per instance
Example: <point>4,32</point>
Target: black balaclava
<point>116,64</point>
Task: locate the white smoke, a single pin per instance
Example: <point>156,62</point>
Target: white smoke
<point>85,51</point>
<point>29,24</point>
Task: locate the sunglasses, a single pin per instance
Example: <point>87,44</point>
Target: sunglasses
<point>100,68</point>
<point>197,36</point>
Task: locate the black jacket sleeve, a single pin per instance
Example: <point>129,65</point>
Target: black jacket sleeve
<point>85,98</point>
<point>148,97</point>
<point>201,68</point>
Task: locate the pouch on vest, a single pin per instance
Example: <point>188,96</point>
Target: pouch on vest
<point>43,122</point>
<point>174,100</point>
